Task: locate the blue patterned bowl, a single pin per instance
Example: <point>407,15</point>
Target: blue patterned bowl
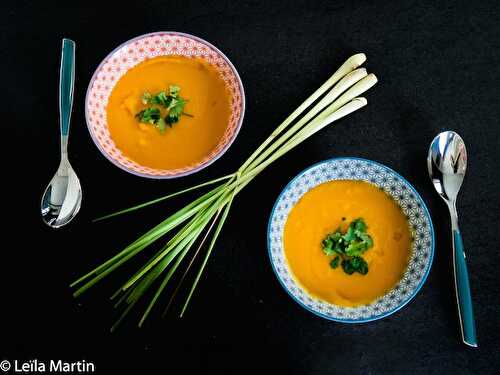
<point>406,197</point>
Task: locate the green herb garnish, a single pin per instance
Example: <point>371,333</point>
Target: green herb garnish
<point>172,102</point>
<point>349,247</point>
<point>335,262</point>
<point>149,116</point>
<point>355,264</point>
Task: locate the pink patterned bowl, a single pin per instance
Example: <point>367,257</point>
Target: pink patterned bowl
<point>131,53</point>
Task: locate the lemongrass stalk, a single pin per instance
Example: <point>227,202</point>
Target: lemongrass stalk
<point>317,125</point>
<point>186,271</point>
<point>165,281</point>
<point>356,90</point>
<point>349,65</point>
<point>145,204</point>
<point>359,88</point>
<point>344,84</point>
<point>209,251</point>
<point>353,105</point>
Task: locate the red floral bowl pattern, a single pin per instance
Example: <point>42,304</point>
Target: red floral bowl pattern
<point>131,53</point>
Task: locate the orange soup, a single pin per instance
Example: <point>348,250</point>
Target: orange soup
<point>188,141</point>
<point>335,204</point>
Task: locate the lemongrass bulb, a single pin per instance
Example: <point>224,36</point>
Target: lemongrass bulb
<point>345,83</point>
<point>357,89</point>
<point>317,125</point>
<point>348,66</point>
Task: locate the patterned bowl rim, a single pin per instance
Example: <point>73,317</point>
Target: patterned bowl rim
<point>199,167</point>
<point>362,320</point>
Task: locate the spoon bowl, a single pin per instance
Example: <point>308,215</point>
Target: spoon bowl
<point>62,198</point>
<point>447,162</point>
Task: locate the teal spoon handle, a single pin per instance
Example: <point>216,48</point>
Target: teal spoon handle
<point>66,88</point>
<point>464,300</point>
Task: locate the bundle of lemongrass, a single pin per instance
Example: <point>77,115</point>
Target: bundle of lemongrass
<point>210,210</point>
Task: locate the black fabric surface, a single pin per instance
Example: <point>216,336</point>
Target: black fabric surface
<point>437,64</point>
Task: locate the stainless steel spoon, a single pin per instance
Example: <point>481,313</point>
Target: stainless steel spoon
<point>447,161</point>
<point>62,198</point>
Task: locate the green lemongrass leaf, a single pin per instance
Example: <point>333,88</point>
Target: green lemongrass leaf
<point>209,251</point>
<point>100,276</point>
<point>166,255</point>
<point>197,224</point>
<point>349,65</point>
<point>123,315</point>
<point>122,298</point>
<point>168,224</point>
<point>145,204</point>
<point>141,287</point>
<point>134,297</point>
<point>158,255</point>
<point>120,290</point>
<point>182,248</point>
<point>344,84</point>
<point>166,280</point>
<point>196,220</point>
<point>189,232</point>
<point>186,271</point>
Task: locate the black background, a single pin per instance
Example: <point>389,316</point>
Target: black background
<point>437,63</point>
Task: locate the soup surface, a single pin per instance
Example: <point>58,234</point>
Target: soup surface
<point>190,140</point>
<point>335,204</point>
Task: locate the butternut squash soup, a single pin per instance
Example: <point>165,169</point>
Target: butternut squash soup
<point>347,242</point>
<point>169,112</point>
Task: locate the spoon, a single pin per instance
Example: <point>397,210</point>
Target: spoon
<point>446,162</point>
<point>63,196</point>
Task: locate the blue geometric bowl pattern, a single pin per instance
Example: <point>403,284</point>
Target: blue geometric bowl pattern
<point>405,196</point>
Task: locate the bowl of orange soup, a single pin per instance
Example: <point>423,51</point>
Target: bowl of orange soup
<point>164,105</point>
<point>350,240</point>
